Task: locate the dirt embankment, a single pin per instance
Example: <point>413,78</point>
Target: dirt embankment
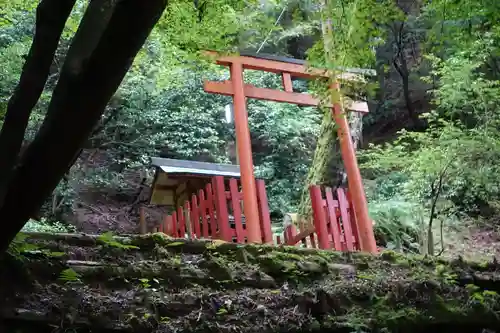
<point>85,283</point>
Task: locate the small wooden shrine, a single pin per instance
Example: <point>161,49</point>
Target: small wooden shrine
<point>176,181</point>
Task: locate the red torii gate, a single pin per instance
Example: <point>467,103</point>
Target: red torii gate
<point>240,91</point>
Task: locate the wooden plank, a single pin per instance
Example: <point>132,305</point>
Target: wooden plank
<point>175,230</point>
<point>195,216</point>
<point>346,220</point>
<point>167,226</point>
<point>320,222</point>
<point>272,66</point>
<point>334,227</point>
<point>210,207</point>
<point>142,221</point>
<point>187,219</point>
<point>226,88</point>
<point>354,224</point>
<point>236,206</point>
<point>221,207</point>
<point>239,195</point>
<point>300,236</point>
<point>312,241</point>
<point>289,233</point>
<point>203,213</point>
<point>265,214</point>
<point>162,198</point>
<point>181,188</point>
<point>276,66</point>
<point>181,222</point>
<point>286,78</point>
<point>165,187</point>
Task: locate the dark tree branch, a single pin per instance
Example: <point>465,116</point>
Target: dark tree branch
<point>51,16</point>
<point>77,104</point>
<point>90,30</point>
<point>401,66</point>
<point>436,188</point>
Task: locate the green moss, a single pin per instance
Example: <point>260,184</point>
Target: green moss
<point>333,290</point>
<point>286,256</point>
<point>391,256</point>
<point>160,238</point>
<point>273,265</point>
<point>484,264</point>
<point>242,255</point>
<point>218,268</point>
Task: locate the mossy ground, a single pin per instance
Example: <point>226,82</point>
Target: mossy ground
<point>155,284</point>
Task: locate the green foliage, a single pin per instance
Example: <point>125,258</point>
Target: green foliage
<point>357,28</point>
<point>463,156</point>
<point>161,109</point>
<point>154,110</point>
<point>69,276</point>
<point>452,166</point>
<point>398,224</point>
<point>399,220</point>
<point>185,31</point>
<point>19,245</point>
<point>108,239</point>
<point>45,225</point>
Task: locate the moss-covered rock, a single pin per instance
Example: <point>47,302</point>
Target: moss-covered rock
<point>156,284</point>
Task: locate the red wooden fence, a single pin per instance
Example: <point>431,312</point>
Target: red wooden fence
<point>216,212</point>
<point>334,223</point>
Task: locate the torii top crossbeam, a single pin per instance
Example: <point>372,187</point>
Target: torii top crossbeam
<point>287,68</point>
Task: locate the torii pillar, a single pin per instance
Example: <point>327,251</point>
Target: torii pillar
<point>287,68</point>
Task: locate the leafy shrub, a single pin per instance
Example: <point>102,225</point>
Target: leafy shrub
<point>398,224</point>
<point>45,225</point>
<point>389,186</point>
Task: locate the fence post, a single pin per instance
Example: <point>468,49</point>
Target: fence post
<point>195,218</point>
<point>354,223</point>
<point>346,221</point>
<point>236,205</point>
<point>168,225</point>
<point>210,204</point>
<point>335,228</point>
<point>203,213</point>
<point>221,208</point>
<point>319,216</point>
<point>180,219</point>
<point>265,215</point>
<point>289,233</point>
<point>175,231</point>
<point>142,221</point>
<point>188,220</point>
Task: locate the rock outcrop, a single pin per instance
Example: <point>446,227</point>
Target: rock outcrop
<point>149,283</point>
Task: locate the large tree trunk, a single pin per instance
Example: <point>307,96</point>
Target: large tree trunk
<point>77,104</point>
<point>327,167</point>
<point>87,36</point>
<point>51,17</point>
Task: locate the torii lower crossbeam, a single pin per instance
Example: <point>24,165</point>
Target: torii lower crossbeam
<point>240,91</point>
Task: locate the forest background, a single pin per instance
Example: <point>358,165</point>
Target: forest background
<point>429,148</point>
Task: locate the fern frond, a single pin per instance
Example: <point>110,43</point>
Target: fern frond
<point>69,275</point>
<point>19,245</point>
<point>108,239</point>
